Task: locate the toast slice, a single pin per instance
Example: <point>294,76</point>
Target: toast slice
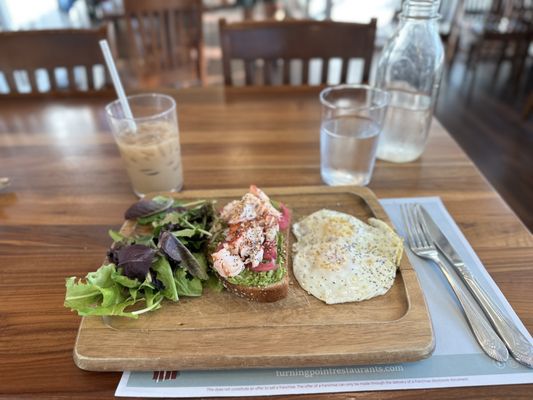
<point>245,225</point>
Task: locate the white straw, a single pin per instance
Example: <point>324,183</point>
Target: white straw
<point>116,81</point>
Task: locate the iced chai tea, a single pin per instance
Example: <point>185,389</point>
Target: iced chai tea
<point>149,143</point>
<point>152,156</point>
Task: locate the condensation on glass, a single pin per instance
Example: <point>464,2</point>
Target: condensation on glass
<point>410,68</point>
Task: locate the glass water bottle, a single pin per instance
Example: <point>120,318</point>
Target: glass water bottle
<point>410,68</point>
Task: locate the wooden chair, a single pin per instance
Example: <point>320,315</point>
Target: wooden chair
<point>277,43</point>
<point>165,41</point>
<point>30,56</point>
<point>502,37</point>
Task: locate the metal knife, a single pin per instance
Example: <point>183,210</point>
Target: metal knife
<point>519,346</point>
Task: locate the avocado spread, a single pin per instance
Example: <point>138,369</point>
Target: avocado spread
<point>265,278</point>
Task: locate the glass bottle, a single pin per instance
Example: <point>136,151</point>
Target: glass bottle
<point>410,68</point>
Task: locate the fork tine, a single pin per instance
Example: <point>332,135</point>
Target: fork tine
<point>414,225</point>
<point>422,222</point>
<point>418,226</point>
<point>406,224</point>
<point>408,221</point>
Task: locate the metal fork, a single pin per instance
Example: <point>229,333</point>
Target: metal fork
<point>418,239</point>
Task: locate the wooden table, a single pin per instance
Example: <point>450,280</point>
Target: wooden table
<point>69,187</point>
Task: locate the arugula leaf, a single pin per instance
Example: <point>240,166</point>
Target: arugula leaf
<point>182,220</point>
<point>151,218</point>
<point>164,273</point>
<point>147,240</point>
<point>202,263</point>
<point>187,287</point>
<point>117,236</point>
<point>185,232</point>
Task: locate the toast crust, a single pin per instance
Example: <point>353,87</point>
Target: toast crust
<point>266,294</point>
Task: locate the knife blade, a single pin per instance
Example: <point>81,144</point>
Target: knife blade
<point>519,346</point>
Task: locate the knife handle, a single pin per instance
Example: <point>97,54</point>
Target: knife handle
<point>485,335</point>
<point>519,346</point>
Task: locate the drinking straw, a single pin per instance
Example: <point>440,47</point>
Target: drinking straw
<point>116,81</point>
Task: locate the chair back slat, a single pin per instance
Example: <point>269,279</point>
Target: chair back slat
<point>325,71</point>
<point>163,32</point>
<point>30,51</point>
<point>165,35</point>
<point>10,79</point>
<point>181,51</point>
<point>90,76</point>
<point>52,79</point>
<point>268,71</point>
<point>305,72</point>
<point>71,79</point>
<point>154,44</point>
<point>172,39</point>
<point>297,40</point>
<point>32,78</point>
<point>249,71</point>
<point>286,71</point>
<point>344,69</point>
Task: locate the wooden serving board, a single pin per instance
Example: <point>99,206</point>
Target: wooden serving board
<point>220,330</point>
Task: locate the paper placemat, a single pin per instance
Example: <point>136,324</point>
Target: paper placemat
<point>457,360</point>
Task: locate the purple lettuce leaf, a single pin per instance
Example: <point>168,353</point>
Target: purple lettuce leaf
<point>135,260</point>
<point>178,253</point>
<point>146,208</point>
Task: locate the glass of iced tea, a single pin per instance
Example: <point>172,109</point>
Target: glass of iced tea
<point>149,142</point>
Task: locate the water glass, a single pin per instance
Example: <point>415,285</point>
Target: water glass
<point>149,142</point>
<point>352,119</point>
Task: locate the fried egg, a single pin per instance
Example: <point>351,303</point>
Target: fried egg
<point>339,258</point>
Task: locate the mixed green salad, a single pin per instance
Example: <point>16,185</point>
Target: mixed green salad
<point>142,270</point>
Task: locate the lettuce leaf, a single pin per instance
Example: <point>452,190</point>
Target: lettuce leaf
<point>187,232</point>
<point>213,283</point>
<point>202,262</point>
<point>185,286</point>
<point>124,280</point>
<point>164,273</point>
<point>99,295</point>
<point>102,276</point>
<point>152,300</point>
<point>146,208</point>
<point>115,310</point>
<point>141,271</point>
<point>117,237</point>
<point>136,260</point>
<point>80,295</point>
